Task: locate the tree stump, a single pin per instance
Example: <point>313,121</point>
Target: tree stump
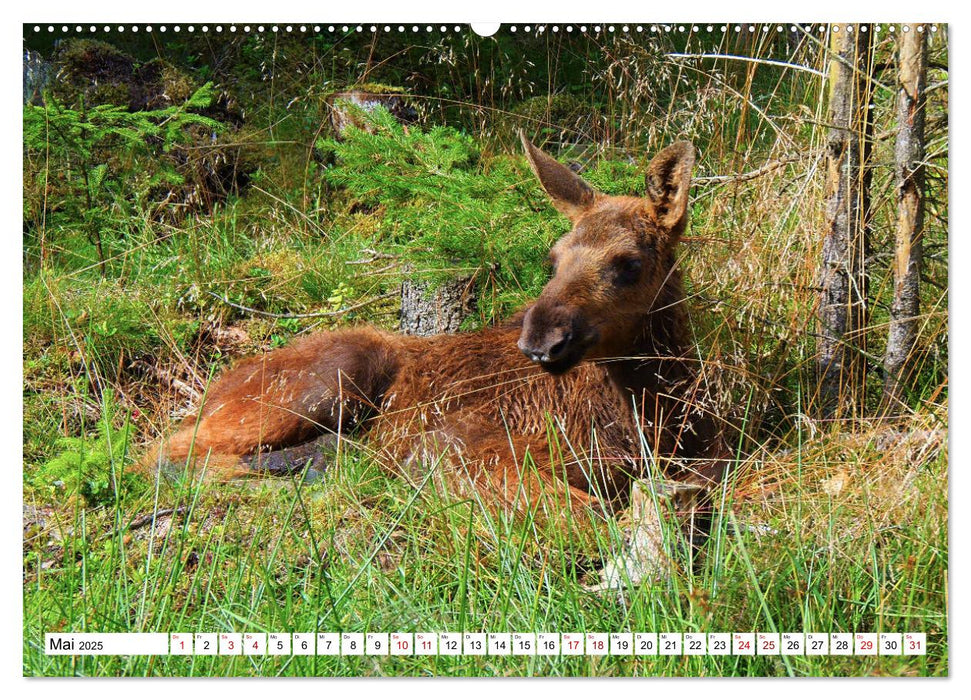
<point>346,107</point>
<point>430,309</point>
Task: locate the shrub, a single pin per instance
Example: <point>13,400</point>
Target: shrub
<point>91,466</point>
<point>446,209</point>
<point>87,163</point>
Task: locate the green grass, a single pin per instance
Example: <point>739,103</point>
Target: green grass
<point>363,552</point>
<point>366,551</point>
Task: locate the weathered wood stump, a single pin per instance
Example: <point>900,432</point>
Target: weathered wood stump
<point>430,309</point>
<point>653,535</point>
<point>346,107</point>
<point>37,74</point>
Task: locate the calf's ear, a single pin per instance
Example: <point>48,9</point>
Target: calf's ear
<point>668,183</point>
<point>570,194</point>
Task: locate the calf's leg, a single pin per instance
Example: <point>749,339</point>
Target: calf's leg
<point>327,383</point>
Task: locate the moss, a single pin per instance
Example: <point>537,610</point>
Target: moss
<point>160,84</point>
<point>92,72</point>
<point>350,107</point>
<point>547,117</point>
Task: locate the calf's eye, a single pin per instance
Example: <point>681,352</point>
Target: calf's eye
<point>627,271</point>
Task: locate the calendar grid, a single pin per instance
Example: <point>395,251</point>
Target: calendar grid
<point>513,644</point>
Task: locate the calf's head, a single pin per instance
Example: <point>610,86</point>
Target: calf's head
<point>609,269</point>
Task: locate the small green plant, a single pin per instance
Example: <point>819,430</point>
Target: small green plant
<point>91,466</point>
<point>97,160</point>
<point>339,297</point>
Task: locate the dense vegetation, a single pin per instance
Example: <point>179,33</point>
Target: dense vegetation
<point>199,206</point>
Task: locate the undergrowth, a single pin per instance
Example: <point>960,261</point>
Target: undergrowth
<point>818,540</point>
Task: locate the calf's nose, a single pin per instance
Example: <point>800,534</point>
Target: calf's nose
<point>549,346</point>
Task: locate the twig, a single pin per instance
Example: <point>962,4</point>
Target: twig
<point>170,379</point>
<point>319,314</point>
<point>149,517</point>
<point>758,172</point>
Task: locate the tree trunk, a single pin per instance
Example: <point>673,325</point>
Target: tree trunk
<point>841,362</point>
<point>429,309</point>
<point>909,172</point>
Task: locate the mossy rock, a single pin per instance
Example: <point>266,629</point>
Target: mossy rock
<point>92,72</point>
<point>558,118</point>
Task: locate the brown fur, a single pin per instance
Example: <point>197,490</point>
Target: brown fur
<point>491,406</point>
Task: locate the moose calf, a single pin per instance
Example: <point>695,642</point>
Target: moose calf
<point>564,403</point>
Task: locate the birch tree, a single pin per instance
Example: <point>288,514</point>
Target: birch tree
<point>843,284</point>
<point>909,174</point>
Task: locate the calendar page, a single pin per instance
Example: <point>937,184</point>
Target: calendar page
<point>603,349</point>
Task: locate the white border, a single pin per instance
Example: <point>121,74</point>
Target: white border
<point>508,11</point>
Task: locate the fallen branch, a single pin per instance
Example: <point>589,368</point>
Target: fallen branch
<point>144,520</point>
<point>319,314</point>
